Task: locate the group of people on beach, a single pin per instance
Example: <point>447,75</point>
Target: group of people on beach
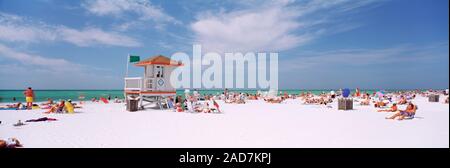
<point>191,103</point>
<point>62,107</point>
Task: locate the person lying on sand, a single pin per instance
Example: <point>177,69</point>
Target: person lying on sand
<point>409,112</point>
<point>380,104</point>
<point>365,102</point>
<point>275,100</point>
<point>392,109</point>
<point>10,143</point>
<point>16,106</point>
<point>48,103</point>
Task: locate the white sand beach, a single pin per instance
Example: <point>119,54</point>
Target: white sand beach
<point>254,124</point>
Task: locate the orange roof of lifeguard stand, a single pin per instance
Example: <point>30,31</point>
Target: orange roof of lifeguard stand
<point>158,60</point>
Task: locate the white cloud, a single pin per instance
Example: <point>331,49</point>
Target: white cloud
<point>137,10</point>
<point>45,72</point>
<point>17,29</point>
<point>37,60</point>
<point>367,57</point>
<point>92,36</point>
<point>271,26</point>
<point>11,31</point>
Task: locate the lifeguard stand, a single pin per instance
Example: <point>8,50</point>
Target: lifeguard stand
<point>155,85</point>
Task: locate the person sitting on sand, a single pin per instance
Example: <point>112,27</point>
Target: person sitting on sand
<point>410,111</point>
<point>52,109</point>
<point>60,107</point>
<point>10,143</point>
<point>365,101</point>
<point>402,100</point>
<point>206,108</point>
<point>393,108</point>
<point>178,107</point>
<point>116,100</point>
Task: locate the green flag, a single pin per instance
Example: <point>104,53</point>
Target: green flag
<point>134,58</point>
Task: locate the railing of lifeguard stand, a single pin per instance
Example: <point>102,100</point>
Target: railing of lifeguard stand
<point>139,83</point>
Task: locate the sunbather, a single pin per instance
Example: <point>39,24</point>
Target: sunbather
<point>409,112</point>
<point>365,101</point>
<point>392,109</point>
<point>52,109</point>
<point>402,100</point>
<point>10,143</point>
<point>17,106</point>
<point>275,100</point>
<point>60,107</point>
<point>48,103</point>
<point>380,104</point>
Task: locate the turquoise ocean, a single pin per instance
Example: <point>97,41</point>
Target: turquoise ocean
<point>43,95</point>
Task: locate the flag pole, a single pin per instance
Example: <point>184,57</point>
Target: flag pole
<point>128,62</point>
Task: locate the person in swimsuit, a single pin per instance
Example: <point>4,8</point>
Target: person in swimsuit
<point>409,112</point>
<point>29,96</point>
<point>392,109</point>
<point>10,143</point>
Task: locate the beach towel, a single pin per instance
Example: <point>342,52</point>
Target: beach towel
<point>104,100</point>
<point>41,119</point>
<point>23,108</point>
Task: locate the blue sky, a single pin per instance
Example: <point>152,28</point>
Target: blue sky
<point>62,44</point>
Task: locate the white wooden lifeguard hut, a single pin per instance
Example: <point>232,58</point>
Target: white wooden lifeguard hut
<point>155,85</point>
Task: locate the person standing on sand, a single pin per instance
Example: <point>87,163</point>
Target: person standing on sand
<point>29,96</point>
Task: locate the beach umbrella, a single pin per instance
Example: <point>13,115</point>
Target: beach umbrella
<point>332,92</point>
<point>345,92</point>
